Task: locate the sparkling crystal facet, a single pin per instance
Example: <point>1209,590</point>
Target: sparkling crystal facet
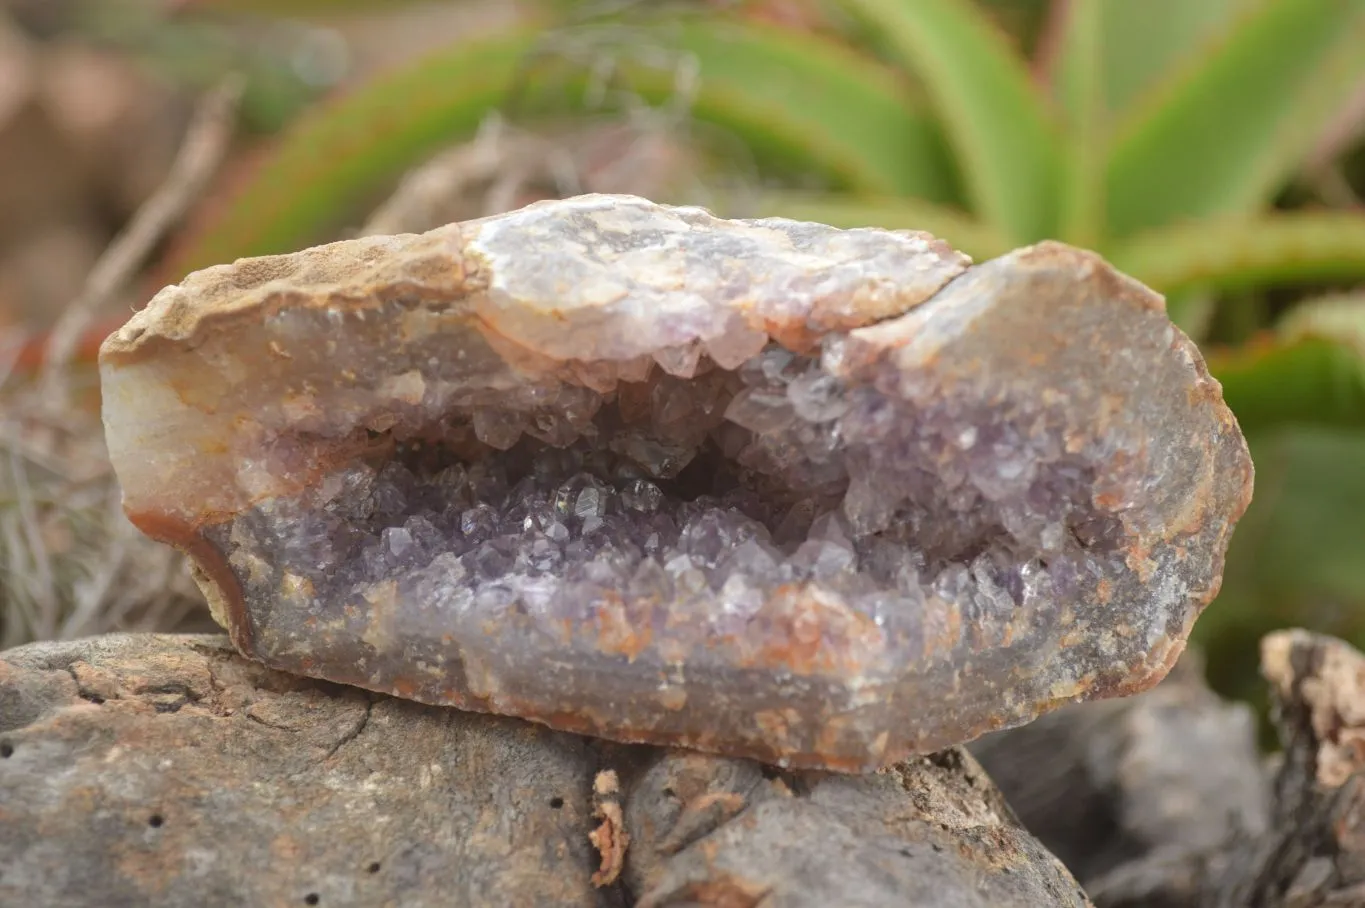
<point>823,498</point>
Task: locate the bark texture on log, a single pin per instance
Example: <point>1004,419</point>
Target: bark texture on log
<point>168,771</point>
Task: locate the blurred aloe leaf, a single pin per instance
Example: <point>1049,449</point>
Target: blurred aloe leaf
<point>1241,253</point>
<point>996,119</point>
<point>1310,370</point>
<point>1083,190</point>
<point>1222,135</point>
<point>835,111</point>
<point>1310,379</point>
<point>1340,315</point>
<point>344,150</point>
<point>807,104</point>
<point>1142,43</point>
<point>844,117</point>
<point>1295,559</point>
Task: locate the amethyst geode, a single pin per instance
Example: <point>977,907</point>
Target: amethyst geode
<point>825,498</point>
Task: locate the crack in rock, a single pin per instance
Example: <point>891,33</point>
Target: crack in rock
<point>354,732</point>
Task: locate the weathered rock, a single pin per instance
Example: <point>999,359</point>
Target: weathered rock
<point>162,771</point>
<point>147,770</point>
<point>761,488</point>
<point>1164,801</point>
<point>1313,853</point>
<point>930,831</point>
<point>1148,799</point>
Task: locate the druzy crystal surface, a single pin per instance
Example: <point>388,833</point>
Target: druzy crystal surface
<point>821,497</point>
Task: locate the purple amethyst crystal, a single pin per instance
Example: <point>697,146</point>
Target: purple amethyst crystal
<point>819,497</point>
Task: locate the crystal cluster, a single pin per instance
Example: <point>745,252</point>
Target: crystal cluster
<point>765,488</point>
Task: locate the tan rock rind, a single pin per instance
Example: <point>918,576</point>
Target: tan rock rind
<point>1042,450</point>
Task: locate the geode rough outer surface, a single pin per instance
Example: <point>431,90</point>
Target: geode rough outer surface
<point>824,498</point>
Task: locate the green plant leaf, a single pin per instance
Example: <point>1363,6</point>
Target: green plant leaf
<point>1311,380</point>
<point>995,118</point>
<point>1310,370</point>
<point>1142,43</point>
<point>793,99</point>
<point>961,230</point>
<point>1237,254</point>
<point>1102,56</point>
<point>311,180</point>
<point>1083,189</point>
<point>811,100</point>
<point>1340,316</point>
<point>1224,134</point>
<point>1295,558</point>
<point>1192,311</point>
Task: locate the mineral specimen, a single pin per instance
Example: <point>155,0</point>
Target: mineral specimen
<point>824,498</point>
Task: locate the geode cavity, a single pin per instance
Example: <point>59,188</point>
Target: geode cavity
<point>824,498</point>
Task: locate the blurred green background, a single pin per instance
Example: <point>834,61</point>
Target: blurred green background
<point>1212,149</point>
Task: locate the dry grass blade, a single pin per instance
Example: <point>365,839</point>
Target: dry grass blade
<point>205,145</point>
<point>71,564</point>
<point>505,167</point>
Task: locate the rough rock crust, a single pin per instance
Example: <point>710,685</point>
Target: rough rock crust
<point>767,489</point>
<point>170,772</point>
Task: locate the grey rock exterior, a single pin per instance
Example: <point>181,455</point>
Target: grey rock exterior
<point>170,772</point>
